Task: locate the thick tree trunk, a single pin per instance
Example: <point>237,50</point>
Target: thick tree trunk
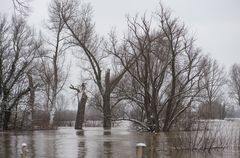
<point>107,123</point>
<point>81,111</point>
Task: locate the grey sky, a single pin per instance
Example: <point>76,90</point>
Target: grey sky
<point>215,23</point>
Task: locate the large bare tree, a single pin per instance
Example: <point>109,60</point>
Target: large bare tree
<point>18,49</point>
<point>52,66</point>
<point>148,72</point>
<point>185,69</point>
<point>166,77</point>
<point>78,21</point>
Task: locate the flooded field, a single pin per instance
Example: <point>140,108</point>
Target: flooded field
<point>99,143</point>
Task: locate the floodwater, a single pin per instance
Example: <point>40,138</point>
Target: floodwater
<point>97,143</point>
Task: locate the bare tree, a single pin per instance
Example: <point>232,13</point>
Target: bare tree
<point>18,49</point>
<point>185,69</point>
<point>81,29</point>
<point>148,71</point>
<point>166,77</point>
<point>31,101</point>
<point>21,6</point>
<point>213,81</point>
<point>235,83</point>
<point>52,65</point>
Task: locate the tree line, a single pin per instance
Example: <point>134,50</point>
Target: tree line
<point>154,75</point>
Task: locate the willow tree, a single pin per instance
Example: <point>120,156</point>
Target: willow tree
<point>166,79</point>
<point>186,68</point>
<point>147,75</point>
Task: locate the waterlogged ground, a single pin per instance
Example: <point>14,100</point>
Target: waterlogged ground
<point>99,143</point>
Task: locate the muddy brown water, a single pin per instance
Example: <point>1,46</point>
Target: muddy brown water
<point>97,143</point>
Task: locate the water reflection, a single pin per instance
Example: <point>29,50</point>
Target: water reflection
<point>152,142</point>
<point>97,143</point>
<point>6,140</point>
<point>107,144</point>
<point>81,145</point>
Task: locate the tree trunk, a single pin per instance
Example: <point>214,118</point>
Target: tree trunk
<point>23,118</point>
<point>147,107</point>
<point>6,119</point>
<point>15,118</point>
<point>31,100</point>
<point>107,123</point>
<point>81,111</point>
<point>167,117</point>
<point>171,102</point>
<point>155,111</point>
<point>106,103</point>
<point>51,117</point>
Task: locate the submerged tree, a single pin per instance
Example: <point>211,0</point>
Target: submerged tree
<point>81,105</point>
<point>149,70</point>
<point>52,65</point>
<point>185,69</point>
<point>18,49</point>
<point>166,79</point>
<point>78,21</point>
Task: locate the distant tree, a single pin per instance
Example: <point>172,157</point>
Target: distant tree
<point>219,110</point>
<point>235,83</point>
<point>213,81</point>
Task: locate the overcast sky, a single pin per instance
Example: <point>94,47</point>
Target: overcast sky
<point>216,23</point>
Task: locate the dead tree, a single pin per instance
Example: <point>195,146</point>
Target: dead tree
<point>81,105</point>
